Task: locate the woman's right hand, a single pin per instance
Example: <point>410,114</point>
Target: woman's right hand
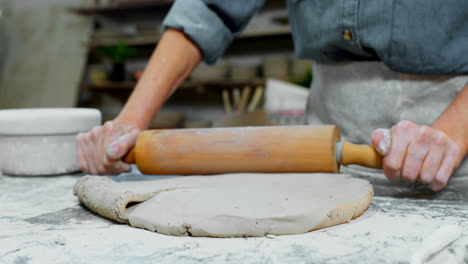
<point>100,151</point>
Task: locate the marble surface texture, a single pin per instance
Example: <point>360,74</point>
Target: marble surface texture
<point>41,221</point>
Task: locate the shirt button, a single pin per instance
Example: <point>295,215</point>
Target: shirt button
<point>347,35</point>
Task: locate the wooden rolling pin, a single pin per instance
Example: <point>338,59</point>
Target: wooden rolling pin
<point>272,149</point>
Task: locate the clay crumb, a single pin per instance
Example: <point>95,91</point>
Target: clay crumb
<point>191,245</point>
<point>60,240</point>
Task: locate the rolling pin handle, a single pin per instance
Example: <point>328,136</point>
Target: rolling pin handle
<point>130,157</point>
<point>364,155</point>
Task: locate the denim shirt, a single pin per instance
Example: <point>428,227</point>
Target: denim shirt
<point>409,36</point>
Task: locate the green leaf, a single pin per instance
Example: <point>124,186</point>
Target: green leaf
<point>118,53</point>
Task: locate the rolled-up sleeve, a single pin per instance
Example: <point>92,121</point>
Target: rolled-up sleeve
<point>211,24</point>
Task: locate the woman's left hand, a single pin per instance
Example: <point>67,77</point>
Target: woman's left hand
<point>417,153</point>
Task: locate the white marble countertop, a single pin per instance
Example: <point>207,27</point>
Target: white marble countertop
<point>41,221</point>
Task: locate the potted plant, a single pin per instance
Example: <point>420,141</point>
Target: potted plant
<point>118,54</point>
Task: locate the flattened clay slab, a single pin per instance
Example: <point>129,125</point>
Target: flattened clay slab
<point>229,205</point>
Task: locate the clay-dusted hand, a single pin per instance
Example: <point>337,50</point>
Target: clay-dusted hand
<point>100,150</point>
<point>417,153</point>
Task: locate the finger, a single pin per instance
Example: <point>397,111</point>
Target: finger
<point>115,166</point>
<point>446,168</point>
<point>382,140</point>
<point>393,162</point>
<point>110,166</point>
<point>417,151</point>
<point>121,166</point>
<point>112,131</point>
<point>100,154</point>
<point>90,154</point>
<point>97,149</point>
<point>430,166</point>
<point>122,145</point>
<point>413,162</point>
<point>432,163</point>
<point>81,153</point>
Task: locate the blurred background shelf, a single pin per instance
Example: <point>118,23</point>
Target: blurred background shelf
<point>123,27</point>
<point>132,41</point>
<point>215,85</point>
<point>123,7</point>
<point>99,48</point>
<point>152,40</point>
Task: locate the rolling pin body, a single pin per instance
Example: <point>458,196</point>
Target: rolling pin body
<point>275,149</point>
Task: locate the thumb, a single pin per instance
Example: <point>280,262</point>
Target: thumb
<point>117,149</point>
<point>382,141</point>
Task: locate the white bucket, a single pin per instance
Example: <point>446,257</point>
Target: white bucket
<point>42,141</point>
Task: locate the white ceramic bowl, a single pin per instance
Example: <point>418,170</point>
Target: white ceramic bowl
<point>42,141</point>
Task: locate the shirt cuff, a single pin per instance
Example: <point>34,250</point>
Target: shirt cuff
<point>202,26</point>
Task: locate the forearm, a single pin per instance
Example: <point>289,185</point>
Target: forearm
<point>171,63</point>
<point>454,121</point>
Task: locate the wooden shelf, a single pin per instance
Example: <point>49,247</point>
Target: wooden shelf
<point>220,85</point>
<point>284,32</point>
<point>217,85</point>
<point>279,34</point>
<point>279,31</point>
<point>139,41</point>
<point>110,87</point>
<point>144,6</point>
